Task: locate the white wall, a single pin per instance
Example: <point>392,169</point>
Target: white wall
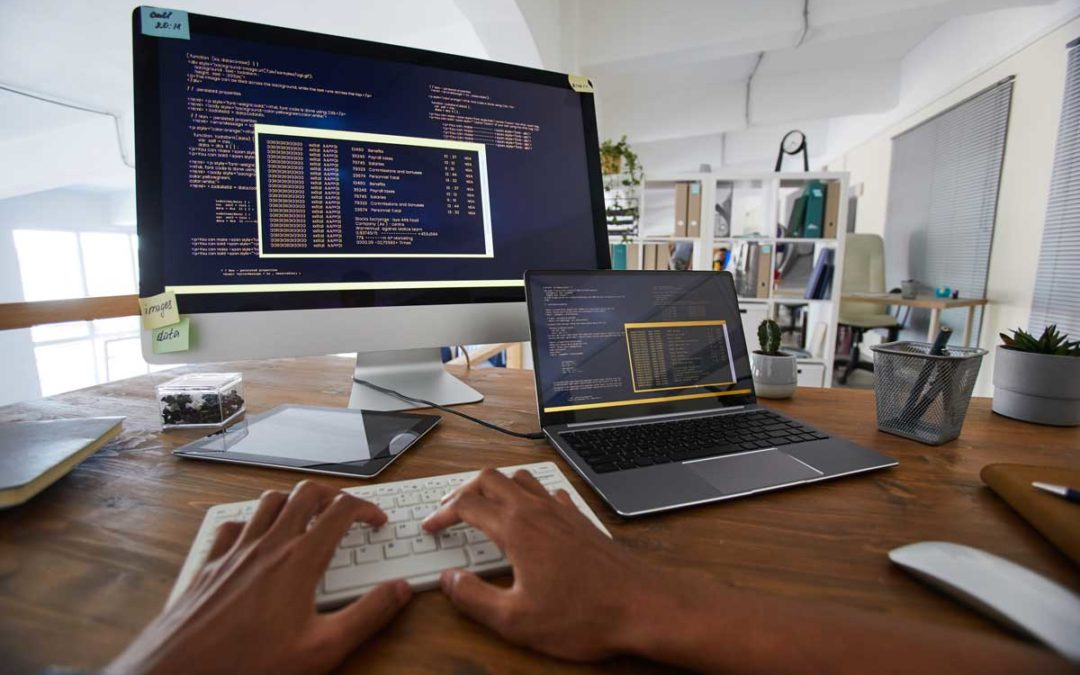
<point>1025,179</point>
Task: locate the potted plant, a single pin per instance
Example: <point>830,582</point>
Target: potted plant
<point>775,373</point>
<point>1038,380</point>
<point>622,177</point>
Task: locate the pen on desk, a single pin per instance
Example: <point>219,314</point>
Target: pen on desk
<point>1072,494</point>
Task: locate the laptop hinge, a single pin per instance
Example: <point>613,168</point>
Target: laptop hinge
<point>666,416</point>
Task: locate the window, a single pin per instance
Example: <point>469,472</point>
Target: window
<point>58,264</point>
<point>943,187</point>
<point>1057,282</point>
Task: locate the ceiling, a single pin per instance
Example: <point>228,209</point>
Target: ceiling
<point>730,73</point>
<point>687,81</point>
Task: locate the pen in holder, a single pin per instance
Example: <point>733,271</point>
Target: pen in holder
<point>922,390</point>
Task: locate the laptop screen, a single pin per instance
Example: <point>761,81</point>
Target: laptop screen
<point>616,344</point>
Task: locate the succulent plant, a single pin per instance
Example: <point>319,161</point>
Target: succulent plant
<point>769,336</point>
<point>1050,342</point>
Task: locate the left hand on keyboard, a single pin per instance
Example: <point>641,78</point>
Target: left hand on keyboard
<point>252,609</point>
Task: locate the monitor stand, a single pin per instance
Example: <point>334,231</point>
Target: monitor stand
<point>414,372</point>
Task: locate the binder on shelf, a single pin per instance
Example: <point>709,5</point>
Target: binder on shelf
<point>763,278</point>
<point>832,209</point>
<point>682,198</point>
<point>618,256</point>
<point>798,217</point>
<point>693,210</point>
<point>815,209</point>
<point>633,256</point>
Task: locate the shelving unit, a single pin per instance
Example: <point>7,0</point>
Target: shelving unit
<point>757,206</point>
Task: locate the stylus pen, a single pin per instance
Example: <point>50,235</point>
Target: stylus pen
<point>1072,494</point>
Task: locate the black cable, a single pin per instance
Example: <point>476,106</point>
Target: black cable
<point>534,436</point>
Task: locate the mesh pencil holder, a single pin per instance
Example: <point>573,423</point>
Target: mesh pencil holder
<point>921,396</point>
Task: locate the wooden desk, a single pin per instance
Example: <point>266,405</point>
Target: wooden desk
<point>934,304</point>
<point>85,564</point>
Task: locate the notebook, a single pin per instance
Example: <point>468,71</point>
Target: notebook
<point>34,455</point>
<point>1056,518</point>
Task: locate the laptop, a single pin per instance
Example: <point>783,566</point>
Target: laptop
<point>643,385</point>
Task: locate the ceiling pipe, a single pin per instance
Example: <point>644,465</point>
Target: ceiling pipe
<point>78,106</point>
<point>761,55</point>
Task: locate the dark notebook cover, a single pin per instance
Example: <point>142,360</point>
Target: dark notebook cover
<point>34,455</point>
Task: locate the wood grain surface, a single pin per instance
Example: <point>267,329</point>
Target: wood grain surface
<point>88,562</point>
<point>27,314</point>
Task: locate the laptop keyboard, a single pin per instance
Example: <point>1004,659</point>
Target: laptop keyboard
<point>630,447</point>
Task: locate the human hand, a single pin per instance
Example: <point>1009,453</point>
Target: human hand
<point>575,591</point>
<point>252,606</point>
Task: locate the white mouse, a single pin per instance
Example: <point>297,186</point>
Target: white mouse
<point>1008,592</point>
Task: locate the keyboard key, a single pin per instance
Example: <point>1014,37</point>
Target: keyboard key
<point>367,554</point>
<point>356,537</point>
<point>475,536</point>
<point>407,529</point>
<point>384,490</point>
<point>397,515</point>
<point>484,553</point>
<point>409,566</point>
<point>396,549</point>
<point>381,535</point>
<point>423,511</point>
<point>384,503</point>
<point>425,543</point>
<point>408,499</point>
<point>449,539</point>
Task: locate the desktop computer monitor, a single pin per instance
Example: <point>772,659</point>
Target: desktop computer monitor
<point>311,194</point>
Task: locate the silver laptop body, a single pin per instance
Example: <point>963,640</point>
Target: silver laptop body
<point>575,319</point>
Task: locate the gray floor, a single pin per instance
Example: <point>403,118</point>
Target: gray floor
<point>860,379</point>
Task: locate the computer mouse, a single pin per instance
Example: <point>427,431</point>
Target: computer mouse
<point>1001,589</point>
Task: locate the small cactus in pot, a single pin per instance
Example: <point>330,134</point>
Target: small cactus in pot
<point>775,373</point>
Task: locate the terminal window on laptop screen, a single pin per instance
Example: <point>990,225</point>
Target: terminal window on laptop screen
<point>288,168</point>
<point>620,340</point>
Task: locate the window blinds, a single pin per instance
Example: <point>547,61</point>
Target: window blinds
<point>943,187</point>
<point>1057,282</point>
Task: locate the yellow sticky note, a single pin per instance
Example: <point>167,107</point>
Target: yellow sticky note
<point>580,84</point>
<point>159,310</point>
<point>174,338</point>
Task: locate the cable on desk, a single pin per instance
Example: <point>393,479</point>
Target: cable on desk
<point>533,436</point>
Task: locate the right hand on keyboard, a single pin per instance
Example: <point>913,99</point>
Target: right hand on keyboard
<point>570,593</point>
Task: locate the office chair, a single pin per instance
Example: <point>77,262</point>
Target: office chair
<point>864,272</point>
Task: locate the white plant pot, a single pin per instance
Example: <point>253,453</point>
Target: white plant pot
<point>774,376</point>
<point>1040,388</point>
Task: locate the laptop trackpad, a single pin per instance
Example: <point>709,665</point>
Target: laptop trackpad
<point>732,474</point>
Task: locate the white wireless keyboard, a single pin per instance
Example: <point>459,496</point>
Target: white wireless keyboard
<point>400,549</point>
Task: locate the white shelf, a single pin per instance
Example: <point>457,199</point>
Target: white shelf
<point>757,206</point>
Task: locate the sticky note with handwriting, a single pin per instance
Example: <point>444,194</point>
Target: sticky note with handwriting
<point>167,23</point>
<point>174,338</point>
<point>580,84</point>
<point>159,310</point>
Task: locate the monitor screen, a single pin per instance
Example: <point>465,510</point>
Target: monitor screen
<point>280,169</point>
<point>627,344</point>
